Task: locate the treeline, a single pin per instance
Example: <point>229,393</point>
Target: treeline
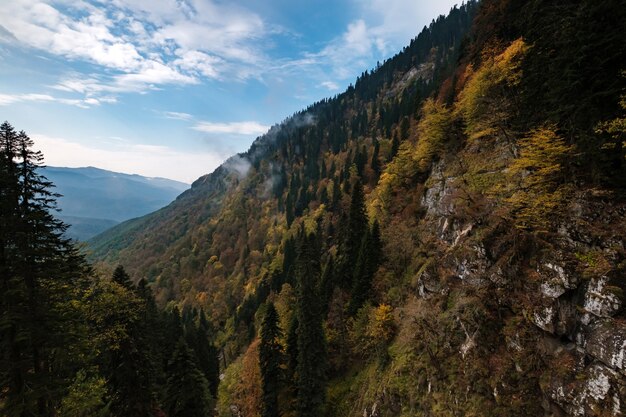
<point>75,344</point>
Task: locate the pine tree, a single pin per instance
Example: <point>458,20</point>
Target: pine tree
<point>187,389</point>
<point>270,353</point>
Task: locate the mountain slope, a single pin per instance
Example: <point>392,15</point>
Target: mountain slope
<point>94,199</point>
<point>491,155</point>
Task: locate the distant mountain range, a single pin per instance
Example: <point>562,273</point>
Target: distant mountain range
<point>94,199</point>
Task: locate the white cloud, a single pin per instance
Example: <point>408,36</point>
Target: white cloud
<point>140,45</point>
<point>148,160</point>
<point>237,128</point>
<point>330,85</point>
<point>6,99</point>
<point>177,115</point>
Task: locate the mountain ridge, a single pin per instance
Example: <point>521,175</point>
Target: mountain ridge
<point>94,199</point>
<point>501,291</point>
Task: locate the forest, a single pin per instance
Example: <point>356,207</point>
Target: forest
<point>444,238</point>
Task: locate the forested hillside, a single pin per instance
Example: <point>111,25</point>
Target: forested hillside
<point>444,238</point>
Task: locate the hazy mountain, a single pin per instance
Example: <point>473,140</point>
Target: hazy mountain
<point>95,199</point>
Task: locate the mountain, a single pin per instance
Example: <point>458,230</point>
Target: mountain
<point>94,199</point>
<point>452,223</point>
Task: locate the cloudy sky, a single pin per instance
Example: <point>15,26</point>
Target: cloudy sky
<point>171,88</point>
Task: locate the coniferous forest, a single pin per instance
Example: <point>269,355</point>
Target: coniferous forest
<point>444,238</point>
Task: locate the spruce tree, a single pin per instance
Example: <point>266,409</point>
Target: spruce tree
<point>375,164</point>
<point>353,235</point>
<point>395,146</point>
<point>270,353</point>
<point>311,367</point>
<point>127,359</point>
<point>187,389</point>
<point>370,255</point>
<point>40,271</point>
<point>121,277</point>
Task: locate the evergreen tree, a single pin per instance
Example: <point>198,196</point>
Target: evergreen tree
<point>353,236</point>
<point>126,358</point>
<point>375,164</point>
<point>269,360</point>
<point>121,277</point>
<point>40,271</point>
<point>187,389</point>
<point>311,369</point>
<point>327,284</point>
<point>205,352</point>
<point>395,146</point>
<point>370,255</point>
<point>292,348</point>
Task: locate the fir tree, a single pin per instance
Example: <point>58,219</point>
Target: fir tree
<point>39,272</point>
<point>352,236</point>
<point>187,389</point>
<point>311,369</point>
<point>269,360</point>
<point>375,164</point>
<point>121,277</point>
<point>369,259</point>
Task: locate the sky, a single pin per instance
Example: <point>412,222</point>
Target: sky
<point>172,88</point>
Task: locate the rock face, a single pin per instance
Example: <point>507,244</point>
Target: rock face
<point>573,296</point>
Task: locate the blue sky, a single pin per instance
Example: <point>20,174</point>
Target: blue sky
<point>172,88</point>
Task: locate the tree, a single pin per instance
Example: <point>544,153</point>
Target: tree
<point>270,353</point>
<point>205,351</point>
<point>122,339</point>
<point>187,389</point>
<point>370,255</point>
<point>40,274</point>
<point>352,236</point>
<point>86,397</point>
<point>375,163</point>
<point>539,177</point>
<point>310,370</point>
<point>487,100</point>
<point>121,277</point>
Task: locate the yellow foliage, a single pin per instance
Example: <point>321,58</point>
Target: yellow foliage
<point>415,157</point>
<point>382,326</point>
<point>485,102</point>
<point>241,386</point>
<point>538,174</point>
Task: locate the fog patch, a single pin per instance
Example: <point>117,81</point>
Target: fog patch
<point>238,165</point>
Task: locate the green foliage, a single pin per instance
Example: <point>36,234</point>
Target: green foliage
<point>41,275</point>
<point>352,236</point>
<point>188,392</point>
<point>311,360</point>
<point>270,358</point>
<point>370,257</point>
<point>86,397</point>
